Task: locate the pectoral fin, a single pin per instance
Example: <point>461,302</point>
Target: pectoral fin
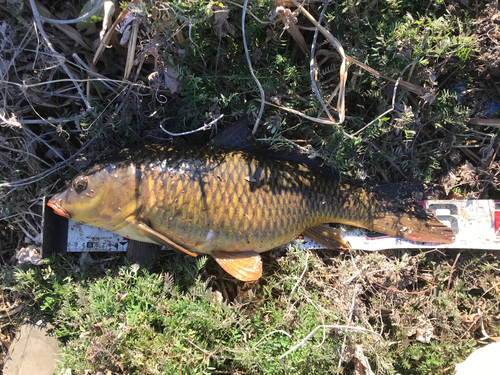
<point>243,265</point>
<point>326,236</point>
<point>160,238</point>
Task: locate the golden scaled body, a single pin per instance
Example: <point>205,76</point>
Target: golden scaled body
<point>206,199</point>
<point>230,204</point>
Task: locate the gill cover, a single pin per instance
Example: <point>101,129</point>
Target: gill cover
<point>106,195</point>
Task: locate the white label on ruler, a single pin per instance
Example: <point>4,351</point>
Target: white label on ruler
<point>85,238</point>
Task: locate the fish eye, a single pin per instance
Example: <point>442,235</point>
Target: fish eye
<point>80,184</point>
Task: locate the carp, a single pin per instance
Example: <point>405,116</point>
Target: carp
<point>231,205</point>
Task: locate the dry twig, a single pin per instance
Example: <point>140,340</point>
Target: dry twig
<point>60,59</point>
<point>305,339</point>
<point>261,90</point>
<point>96,7</point>
<point>312,65</point>
<point>202,128</point>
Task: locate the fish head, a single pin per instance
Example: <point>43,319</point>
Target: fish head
<point>104,196</point>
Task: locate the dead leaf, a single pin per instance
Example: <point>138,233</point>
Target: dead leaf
<point>66,29</point>
<point>164,77</point>
<point>404,50</point>
<point>289,20</point>
<point>247,290</point>
<point>218,296</point>
<point>126,28</point>
<point>170,79</point>
<point>121,296</point>
<point>361,364</point>
<point>424,330</point>
<point>170,22</point>
<point>449,182</point>
<point>428,97</point>
<point>221,26</point>
<point>467,172</point>
<point>29,254</point>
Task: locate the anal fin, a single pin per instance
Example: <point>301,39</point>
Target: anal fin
<point>242,265</point>
<point>326,236</point>
<point>160,238</point>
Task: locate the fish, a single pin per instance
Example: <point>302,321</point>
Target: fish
<point>231,204</point>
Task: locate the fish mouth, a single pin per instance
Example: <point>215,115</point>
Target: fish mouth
<point>58,209</point>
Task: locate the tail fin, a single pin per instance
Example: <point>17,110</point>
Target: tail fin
<point>413,223</point>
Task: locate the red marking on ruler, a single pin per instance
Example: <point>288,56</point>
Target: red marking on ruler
<point>497,217</point>
<point>381,237</point>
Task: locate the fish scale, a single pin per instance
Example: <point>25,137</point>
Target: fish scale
<point>230,204</point>
<point>263,202</point>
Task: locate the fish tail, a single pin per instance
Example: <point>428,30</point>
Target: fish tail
<point>411,222</point>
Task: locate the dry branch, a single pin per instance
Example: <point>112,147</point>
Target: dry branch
<point>419,90</point>
<point>495,122</point>
<point>70,32</point>
<point>60,59</point>
<point>261,90</point>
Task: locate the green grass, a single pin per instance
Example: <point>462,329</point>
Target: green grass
<point>118,317</point>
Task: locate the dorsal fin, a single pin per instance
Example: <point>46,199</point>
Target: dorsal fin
<point>238,137</point>
<point>413,191</point>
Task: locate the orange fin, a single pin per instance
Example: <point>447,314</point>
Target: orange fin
<point>326,236</point>
<point>242,265</point>
<point>160,238</point>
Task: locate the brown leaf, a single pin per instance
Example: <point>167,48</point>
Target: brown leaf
<point>361,364</point>
<point>423,330</point>
<point>221,25</point>
<point>449,182</point>
<point>290,21</point>
<point>467,172</point>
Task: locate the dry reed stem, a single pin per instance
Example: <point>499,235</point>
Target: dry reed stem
<point>261,90</point>
<point>495,122</point>
<point>343,67</point>
<point>76,20</point>
<point>107,37</point>
<point>312,65</point>
<point>69,31</point>
<point>59,58</point>
<point>298,113</point>
<point>348,328</point>
<point>131,48</point>
<point>419,90</point>
<point>287,18</point>
<point>394,91</point>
